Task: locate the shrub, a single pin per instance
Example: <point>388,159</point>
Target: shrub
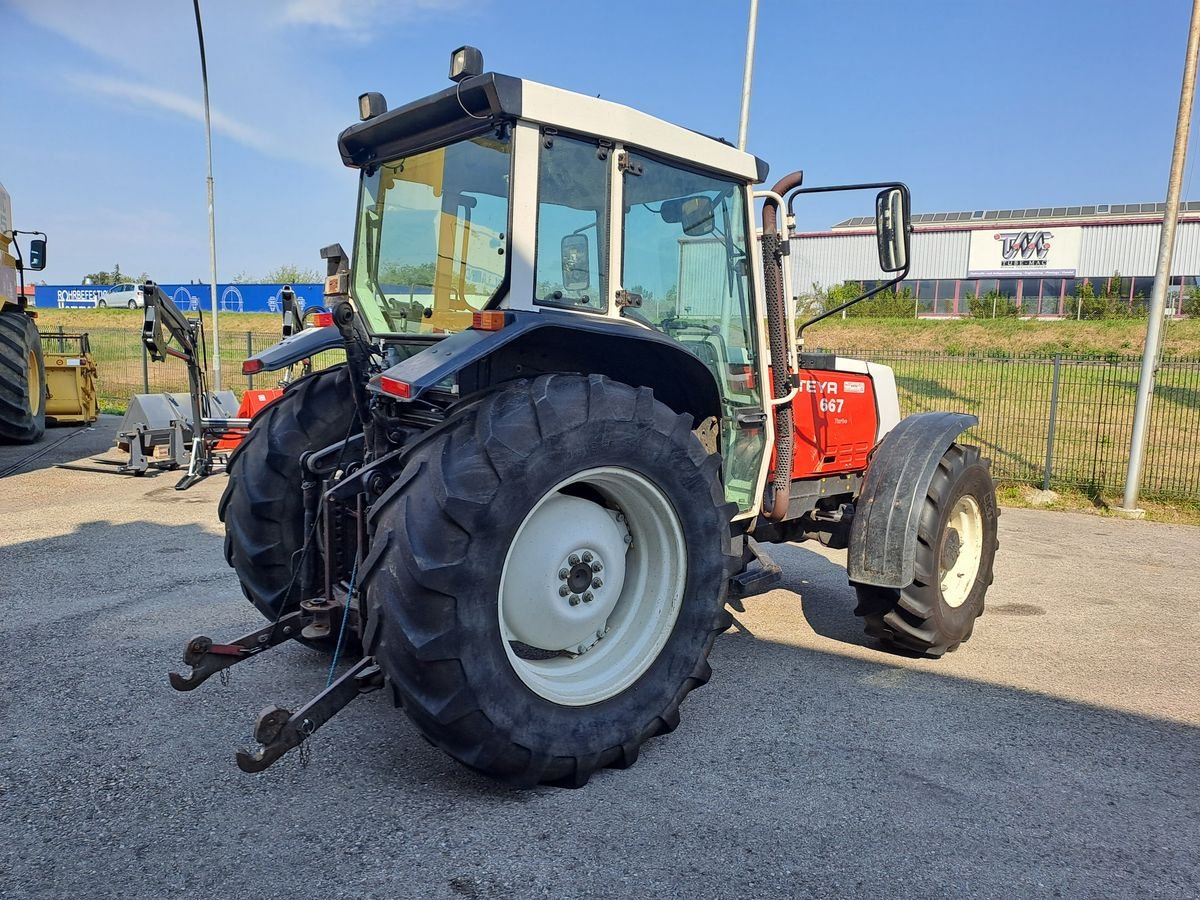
<point>993,304</point>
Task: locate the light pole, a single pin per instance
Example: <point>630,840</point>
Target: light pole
<point>212,222</point>
<point>752,29</point>
<point>1158,296</point>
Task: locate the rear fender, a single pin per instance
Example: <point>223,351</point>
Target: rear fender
<point>883,535</point>
<point>298,346</point>
<point>531,344</point>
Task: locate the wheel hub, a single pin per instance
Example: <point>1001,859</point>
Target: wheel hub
<point>951,547</point>
<point>565,605</point>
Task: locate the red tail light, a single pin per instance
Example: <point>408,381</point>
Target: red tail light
<point>252,367</point>
<point>321,320</point>
<point>395,387</point>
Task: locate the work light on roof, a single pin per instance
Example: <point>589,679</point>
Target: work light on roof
<point>371,104</point>
<point>465,62</point>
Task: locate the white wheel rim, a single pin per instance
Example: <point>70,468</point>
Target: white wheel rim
<point>593,648</point>
<point>960,551</point>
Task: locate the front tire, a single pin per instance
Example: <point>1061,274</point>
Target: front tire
<point>501,648</point>
<point>102,304</point>
<point>956,546</point>
<point>263,504</point>
<point>22,380</point>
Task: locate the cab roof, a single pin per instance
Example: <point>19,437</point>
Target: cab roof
<point>477,103</point>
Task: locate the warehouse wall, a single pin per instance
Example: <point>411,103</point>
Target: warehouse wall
<point>829,259</point>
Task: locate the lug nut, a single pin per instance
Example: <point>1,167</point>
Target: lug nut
<point>573,559</point>
<point>574,600</point>
<point>597,566</point>
<point>564,573</point>
<point>629,538</point>
<point>563,590</point>
<point>597,583</point>
<point>587,597</point>
<point>587,556</point>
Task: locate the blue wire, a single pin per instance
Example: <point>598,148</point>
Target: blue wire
<point>337,651</point>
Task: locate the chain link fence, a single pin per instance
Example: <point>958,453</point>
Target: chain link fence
<point>1056,420</point>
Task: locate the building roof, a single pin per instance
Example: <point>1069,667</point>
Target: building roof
<point>1096,212</point>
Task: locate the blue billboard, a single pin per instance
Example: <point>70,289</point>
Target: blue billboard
<point>188,297</point>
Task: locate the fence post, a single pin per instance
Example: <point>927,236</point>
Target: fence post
<point>249,353</point>
<point>1053,419</point>
<point>145,369</point>
<point>62,345</point>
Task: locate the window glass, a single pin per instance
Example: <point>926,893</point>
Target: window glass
<point>685,254</point>
<point>432,237</point>
<point>572,265</point>
<point>1007,287</point>
<point>1051,291</point>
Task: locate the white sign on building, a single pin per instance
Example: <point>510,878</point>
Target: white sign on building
<point>1014,252</point>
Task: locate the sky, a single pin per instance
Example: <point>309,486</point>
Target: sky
<point>976,105</point>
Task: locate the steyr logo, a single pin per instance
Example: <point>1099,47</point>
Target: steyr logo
<point>1026,244</point>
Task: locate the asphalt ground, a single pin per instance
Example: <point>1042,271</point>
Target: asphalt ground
<point>1056,754</point>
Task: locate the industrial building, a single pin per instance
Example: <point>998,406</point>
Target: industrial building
<point>1038,257</point>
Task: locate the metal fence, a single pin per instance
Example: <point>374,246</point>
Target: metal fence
<point>124,367</point>
<point>1060,420</point>
<point>1053,420</point>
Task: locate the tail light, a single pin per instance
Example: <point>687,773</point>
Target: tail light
<point>395,387</point>
<point>322,319</point>
<point>252,366</point>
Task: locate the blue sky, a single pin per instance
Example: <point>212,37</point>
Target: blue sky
<point>975,104</point>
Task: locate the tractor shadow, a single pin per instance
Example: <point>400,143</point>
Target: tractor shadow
<point>826,598</point>
<point>61,444</point>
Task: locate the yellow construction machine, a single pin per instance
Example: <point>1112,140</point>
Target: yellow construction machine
<point>36,383</point>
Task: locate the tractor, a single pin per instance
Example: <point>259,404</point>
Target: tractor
<point>575,409</point>
<point>22,362</point>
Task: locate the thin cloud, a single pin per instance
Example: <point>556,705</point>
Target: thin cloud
<point>357,18</point>
<point>144,96</point>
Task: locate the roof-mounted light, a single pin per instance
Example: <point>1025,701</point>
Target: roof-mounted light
<point>465,62</point>
<point>370,105</point>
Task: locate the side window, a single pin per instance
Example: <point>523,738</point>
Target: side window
<point>572,264</point>
<point>685,253</point>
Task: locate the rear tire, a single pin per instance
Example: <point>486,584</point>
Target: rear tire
<point>464,579</point>
<point>133,304</point>
<point>956,546</point>
<point>22,379</point>
<point>263,504</point>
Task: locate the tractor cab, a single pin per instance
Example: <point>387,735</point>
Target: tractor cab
<point>503,200</point>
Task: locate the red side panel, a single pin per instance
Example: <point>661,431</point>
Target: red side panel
<point>835,423</point>
<point>251,405</point>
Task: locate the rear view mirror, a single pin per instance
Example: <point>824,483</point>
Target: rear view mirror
<point>37,254</point>
<point>576,263</point>
<point>891,229</point>
<point>695,214</point>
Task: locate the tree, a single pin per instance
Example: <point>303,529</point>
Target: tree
<point>285,274</point>
<point>116,276</point>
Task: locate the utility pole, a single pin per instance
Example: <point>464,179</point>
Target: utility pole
<point>747,72</point>
<point>1158,296</point>
<point>212,222</point>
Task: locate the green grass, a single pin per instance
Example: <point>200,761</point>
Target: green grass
<point>1001,371</point>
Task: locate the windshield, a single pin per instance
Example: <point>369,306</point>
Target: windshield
<point>433,237</point>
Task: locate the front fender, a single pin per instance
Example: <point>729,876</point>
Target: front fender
<point>883,535</point>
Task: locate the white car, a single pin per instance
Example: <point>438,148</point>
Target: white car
<point>128,295</point>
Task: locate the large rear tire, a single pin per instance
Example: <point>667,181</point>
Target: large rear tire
<point>956,545</point>
<point>22,379</point>
<point>263,504</point>
<point>547,576</point>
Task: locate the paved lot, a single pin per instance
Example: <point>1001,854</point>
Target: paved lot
<point>1056,754</point>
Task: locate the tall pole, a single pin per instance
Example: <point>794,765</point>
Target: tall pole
<point>1158,296</point>
<point>212,222</point>
<point>747,72</point>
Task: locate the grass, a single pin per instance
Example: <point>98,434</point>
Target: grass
<point>1180,337</point>
<point>999,370</point>
<point>1179,512</point>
